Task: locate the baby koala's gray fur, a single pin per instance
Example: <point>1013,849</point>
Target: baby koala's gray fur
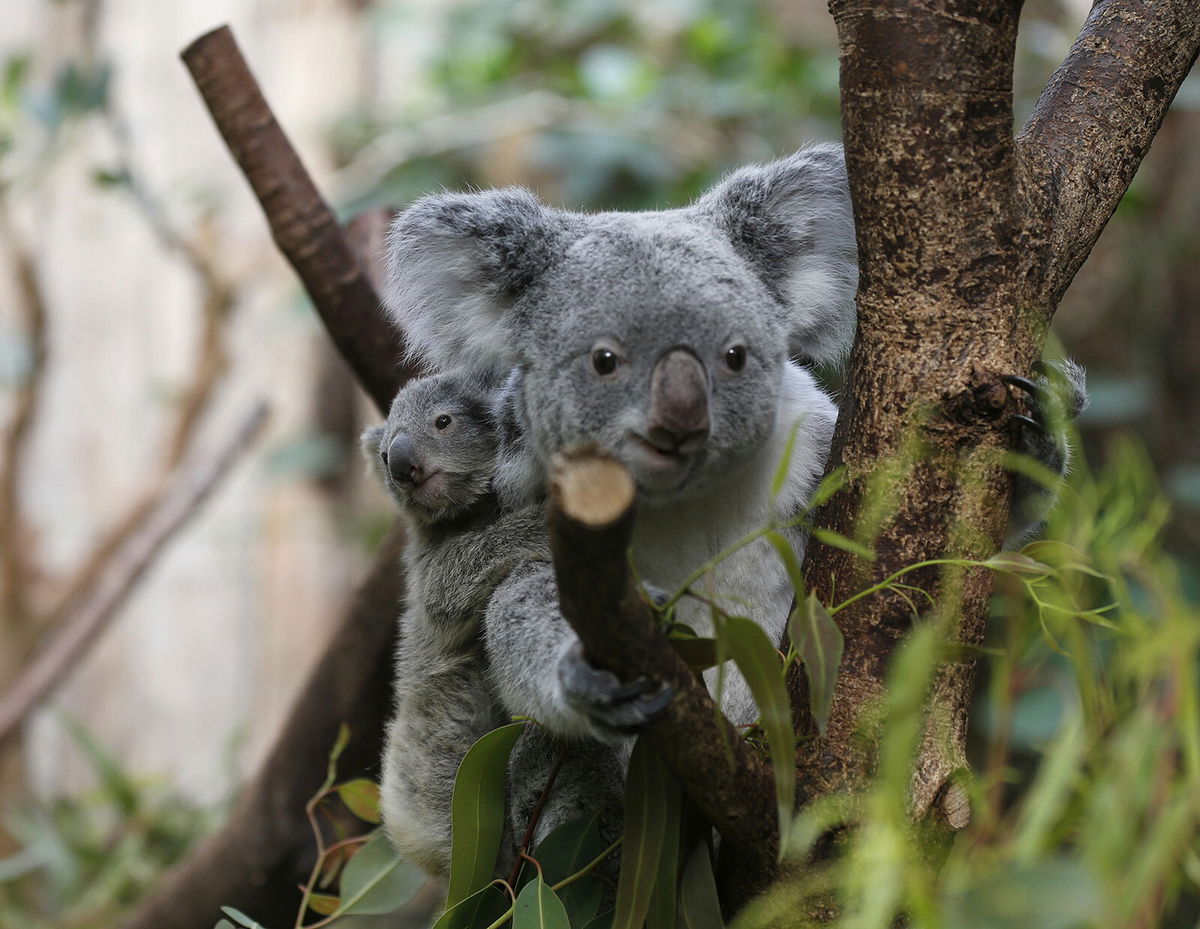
<point>460,546</point>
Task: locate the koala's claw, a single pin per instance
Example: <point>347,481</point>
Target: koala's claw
<point>1028,422</point>
<point>614,708</point>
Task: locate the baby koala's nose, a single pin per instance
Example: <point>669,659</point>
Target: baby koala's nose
<point>402,461</point>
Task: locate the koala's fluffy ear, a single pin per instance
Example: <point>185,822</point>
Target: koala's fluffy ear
<point>792,221</point>
<point>455,262</point>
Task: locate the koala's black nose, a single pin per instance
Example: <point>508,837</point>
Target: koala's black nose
<point>402,461</point>
<point>678,416</point>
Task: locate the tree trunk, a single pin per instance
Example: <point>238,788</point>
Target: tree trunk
<point>967,240</point>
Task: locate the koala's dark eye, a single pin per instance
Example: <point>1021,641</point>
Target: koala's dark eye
<point>442,421</point>
<point>735,357</point>
<point>604,361</point>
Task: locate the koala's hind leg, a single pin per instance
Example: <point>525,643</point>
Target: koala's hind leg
<point>444,705</point>
<point>590,778</point>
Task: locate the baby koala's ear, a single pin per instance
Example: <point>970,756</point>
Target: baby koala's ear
<point>371,442</point>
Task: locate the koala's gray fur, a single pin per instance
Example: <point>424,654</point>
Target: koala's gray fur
<point>460,545</point>
<point>765,263</point>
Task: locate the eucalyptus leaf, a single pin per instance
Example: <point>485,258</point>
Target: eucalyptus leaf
<point>240,918</point>
<point>758,660</point>
<point>324,904</point>
<point>819,643</point>
<point>645,819</point>
<point>788,555</point>
<point>661,914</point>
<point>698,653</point>
<point>361,797</point>
<point>478,911</point>
<point>538,907</point>
<point>699,906</point>
<point>566,851</point>
<point>377,880</point>
<point>836,540</point>
<point>603,921</point>
<point>477,812</point>
<point>224,924</point>
<point>785,460</point>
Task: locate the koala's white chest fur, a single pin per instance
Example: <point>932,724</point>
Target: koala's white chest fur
<point>672,542</point>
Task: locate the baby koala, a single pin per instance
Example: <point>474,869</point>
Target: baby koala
<point>437,456</point>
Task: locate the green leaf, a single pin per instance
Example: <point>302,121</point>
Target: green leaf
<point>830,484</point>
<point>224,924</point>
<point>325,904</point>
<point>699,907</point>
<point>361,797</point>
<point>836,540</point>
<point>645,818</point>
<point>377,880</point>
<point>477,911</point>
<point>758,660</point>
<point>339,746</point>
<point>819,643</point>
<point>785,460</point>
<point>788,555</point>
<point>477,812</point>
<point>567,850</point>
<point>1016,563</point>
<point>698,653</point>
<point>603,921</point>
<point>661,914</point>
<point>240,918</point>
<point>538,907</point>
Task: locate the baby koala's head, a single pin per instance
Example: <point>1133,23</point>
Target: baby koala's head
<point>437,451</point>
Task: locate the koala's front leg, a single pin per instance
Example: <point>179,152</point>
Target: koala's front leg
<point>539,668</point>
<point>1056,397</point>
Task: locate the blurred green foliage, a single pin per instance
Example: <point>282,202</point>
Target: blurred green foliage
<point>86,859</point>
<point>655,98</point>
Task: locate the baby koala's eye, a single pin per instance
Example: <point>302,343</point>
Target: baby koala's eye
<point>442,421</point>
<point>604,361</point>
<point>735,358</point>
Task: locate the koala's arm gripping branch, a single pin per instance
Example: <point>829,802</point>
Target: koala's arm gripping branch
<point>302,224</point>
<point>590,519</point>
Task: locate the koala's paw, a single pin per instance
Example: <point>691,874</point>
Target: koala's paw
<point>614,709</point>
<point>1055,398</point>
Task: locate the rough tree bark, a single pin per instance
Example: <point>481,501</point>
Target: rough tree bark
<point>967,240</point>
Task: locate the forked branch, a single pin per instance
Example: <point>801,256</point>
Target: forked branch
<point>590,518</point>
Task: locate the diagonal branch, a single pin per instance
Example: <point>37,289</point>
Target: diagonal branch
<point>14,560</point>
<point>1093,124</point>
<point>120,575</point>
<point>303,225</point>
<point>590,518</point>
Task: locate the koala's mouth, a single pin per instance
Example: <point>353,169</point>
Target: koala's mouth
<point>433,485</point>
<point>659,461</point>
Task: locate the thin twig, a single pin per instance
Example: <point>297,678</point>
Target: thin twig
<point>121,575</point>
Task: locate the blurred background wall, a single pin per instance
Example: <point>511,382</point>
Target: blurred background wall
<point>127,234</point>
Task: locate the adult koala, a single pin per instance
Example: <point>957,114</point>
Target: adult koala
<point>665,337</point>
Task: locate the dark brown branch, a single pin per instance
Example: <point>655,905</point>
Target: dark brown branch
<point>303,226</point>
<point>120,576</point>
<point>590,517</point>
<point>1093,124</point>
<point>264,851</point>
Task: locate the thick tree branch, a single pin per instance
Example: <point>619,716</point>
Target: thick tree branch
<point>303,226</point>
<point>265,849</point>
<point>590,517</point>
<point>120,575</point>
<point>1092,126</point>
